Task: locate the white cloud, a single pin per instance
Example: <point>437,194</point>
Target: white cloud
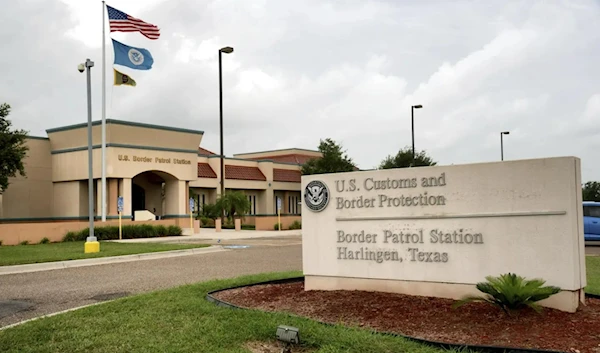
<point>308,70</point>
<point>592,109</point>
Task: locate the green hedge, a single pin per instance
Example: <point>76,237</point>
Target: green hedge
<point>230,226</point>
<point>130,231</point>
<point>296,225</point>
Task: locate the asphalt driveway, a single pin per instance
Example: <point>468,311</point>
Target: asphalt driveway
<point>28,295</point>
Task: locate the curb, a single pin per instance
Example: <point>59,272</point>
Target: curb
<point>437,344</point>
<point>57,265</point>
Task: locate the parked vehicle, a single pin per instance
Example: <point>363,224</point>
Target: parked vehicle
<point>591,220</point>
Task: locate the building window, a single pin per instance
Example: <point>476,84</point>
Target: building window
<point>200,202</point>
<point>293,207</point>
<point>252,199</point>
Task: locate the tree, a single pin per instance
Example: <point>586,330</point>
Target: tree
<point>591,191</point>
<point>12,149</point>
<point>403,159</point>
<point>334,160</point>
<point>210,211</point>
<point>235,203</point>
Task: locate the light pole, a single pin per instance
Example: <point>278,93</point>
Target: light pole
<point>412,124</point>
<point>226,50</point>
<point>502,144</point>
<point>91,243</point>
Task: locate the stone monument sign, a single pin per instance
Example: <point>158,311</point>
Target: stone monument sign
<point>437,231</point>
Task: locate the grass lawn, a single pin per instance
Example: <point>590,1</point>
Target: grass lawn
<point>182,320</point>
<point>28,254</point>
<point>593,274</point>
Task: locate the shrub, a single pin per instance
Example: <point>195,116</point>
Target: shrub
<point>71,236</point>
<point>0,242</point>
<point>296,225</point>
<point>174,231</point>
<point>248,227</point>
<point>24,242</point>
<point>277,225</point>
<point>206,222</point>
<point>161,230</point>
<point>104,232</point>
<point>44,241</point>
<point>130,231</point>
<point>134,231</point>
<point>511,292</point>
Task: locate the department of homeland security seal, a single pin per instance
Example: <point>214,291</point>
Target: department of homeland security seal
<point>135,56</point>
<point>316,195</point>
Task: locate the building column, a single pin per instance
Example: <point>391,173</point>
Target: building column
<point>125,191</point>
<point>175,197</point>
<point>187,197</point>
<point>98,211</point>
<point>113,194</point>
<point>211,196</point>
<point>285,207</point>
<point>265,202</point>
<point>0,205</point>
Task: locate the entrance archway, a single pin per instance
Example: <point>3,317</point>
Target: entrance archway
<point>138,198</point>
<point>148,192</point>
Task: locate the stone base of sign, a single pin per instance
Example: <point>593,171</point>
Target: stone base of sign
<point>91,247</point>
<point>565,301</point>
<point>217,225</point>
<point>196,226</point>
<point>238,224</point>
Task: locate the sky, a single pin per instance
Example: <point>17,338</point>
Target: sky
<point>307,70</point>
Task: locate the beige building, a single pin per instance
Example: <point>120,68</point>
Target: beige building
<point>152,167</point>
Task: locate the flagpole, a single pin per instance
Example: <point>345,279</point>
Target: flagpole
<point>103,113</point>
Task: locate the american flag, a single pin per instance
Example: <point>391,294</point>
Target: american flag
<point>121,22</point>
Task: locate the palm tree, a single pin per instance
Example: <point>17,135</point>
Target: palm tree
<point>235,204</point>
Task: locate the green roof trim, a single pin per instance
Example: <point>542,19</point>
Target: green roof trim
<point>120,145</point>
<point>279,150</point>
<point>284,163</point>
<point>37,137</point>
<point>236,159</point>
<point>248,160</point>
<point>169,216</point>
<point>273,215</point>
<point>127,123</point>
<point>73,218</point>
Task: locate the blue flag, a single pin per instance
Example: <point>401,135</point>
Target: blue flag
<point>132,57</point>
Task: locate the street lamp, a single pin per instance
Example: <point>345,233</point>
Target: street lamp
<point>91,243</point>
<point>412,124</point>
<point>502,144</point>
<point>226,50</point>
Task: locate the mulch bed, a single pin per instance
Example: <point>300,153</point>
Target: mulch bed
<point>430,318</point>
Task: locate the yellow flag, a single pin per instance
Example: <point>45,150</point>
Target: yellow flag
<point>122,79</point>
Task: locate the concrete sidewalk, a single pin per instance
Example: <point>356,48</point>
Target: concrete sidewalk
<point>56,265</point>
<point>212,234</point>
